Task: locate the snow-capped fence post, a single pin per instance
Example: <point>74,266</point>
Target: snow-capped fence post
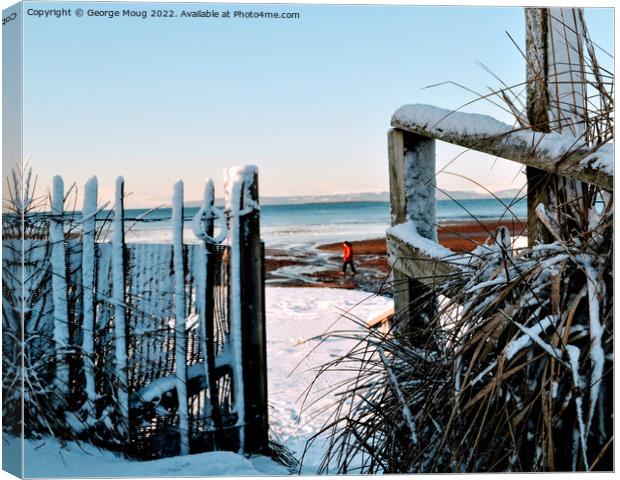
<point>180,349</point>
<point>89,211</point>
<point>59,289</point>
<point>412,199</point>
<point>247,314</point>
<point>118,300</point>
<point>253,317</point>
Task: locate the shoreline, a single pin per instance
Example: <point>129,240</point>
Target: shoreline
<point>320,265</point>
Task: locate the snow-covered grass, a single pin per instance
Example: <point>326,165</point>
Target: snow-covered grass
<point>295,318</point>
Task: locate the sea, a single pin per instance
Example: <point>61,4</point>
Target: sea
<point>319,223</point>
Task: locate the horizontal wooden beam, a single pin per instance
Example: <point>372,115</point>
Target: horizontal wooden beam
<point>551,152</point>
<point>381,320</point>
<point>417,264</point>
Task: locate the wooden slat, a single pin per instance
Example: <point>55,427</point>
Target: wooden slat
<point>206,307</point>
<point>180,338</point>
<point>521,146</point>
<point>59,288</point>
<point>88,286</point>
<point>382,320</point>
<point>118,299</point>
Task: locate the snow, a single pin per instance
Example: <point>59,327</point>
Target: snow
<point>47,458</point>
<point>295,319</point>
<point>532,334</point>
<point>441,121</point>
<point>602,159</point>
<point>180,349</point>
<point>408,233</point>
<point>597,354</point>
<point>155,390</point>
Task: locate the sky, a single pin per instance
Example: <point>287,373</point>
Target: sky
<point>307,100</point>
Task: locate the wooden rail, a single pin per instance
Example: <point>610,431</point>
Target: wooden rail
<point>411,149</point>
<point>534,149</point>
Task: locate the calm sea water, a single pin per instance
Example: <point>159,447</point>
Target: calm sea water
<point>292,225</point>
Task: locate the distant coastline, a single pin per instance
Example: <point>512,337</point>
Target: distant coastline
<point>508,194</point>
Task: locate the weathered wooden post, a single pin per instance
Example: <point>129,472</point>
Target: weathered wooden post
<point>118,300</point>
<point>253,317</point>
<point>247,308</point>
<point>412,199</point>
<point>555,96</point>
<point>59,290</point>
<point>180,335</point>
<point>538,181</point>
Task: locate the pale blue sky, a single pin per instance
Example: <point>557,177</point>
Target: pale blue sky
<point>308,100</point>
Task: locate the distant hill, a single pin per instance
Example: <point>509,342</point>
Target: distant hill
<point>367,197</point>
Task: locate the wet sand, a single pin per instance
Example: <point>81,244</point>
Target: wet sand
<point>321,266</point>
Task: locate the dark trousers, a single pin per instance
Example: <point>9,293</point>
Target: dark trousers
<point>348,262</point>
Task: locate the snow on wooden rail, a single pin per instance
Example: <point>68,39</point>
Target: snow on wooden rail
<point>551,152</point>
<point>420,258</point>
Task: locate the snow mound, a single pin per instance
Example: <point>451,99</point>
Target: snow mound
<point>49,459</point>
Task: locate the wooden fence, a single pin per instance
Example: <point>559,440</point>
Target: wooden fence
<point>157,348</point>
<point>553,141</point>
<point>418,261</point>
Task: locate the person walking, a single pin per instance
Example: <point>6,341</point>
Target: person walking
<point>348,258</point>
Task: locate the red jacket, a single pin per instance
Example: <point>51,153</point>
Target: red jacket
<point>348,252</point>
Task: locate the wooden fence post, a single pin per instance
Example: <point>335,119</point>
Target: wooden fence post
<point>180,345</point>
<point>118,300</point>
<point>205,302</point>
<point>556,100</point>
<point>59,290</point>
<point>233,185</point>
<point>89,211</point>
<point>412,198</point>
<point>253,318</point>
<point>537,93</point>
